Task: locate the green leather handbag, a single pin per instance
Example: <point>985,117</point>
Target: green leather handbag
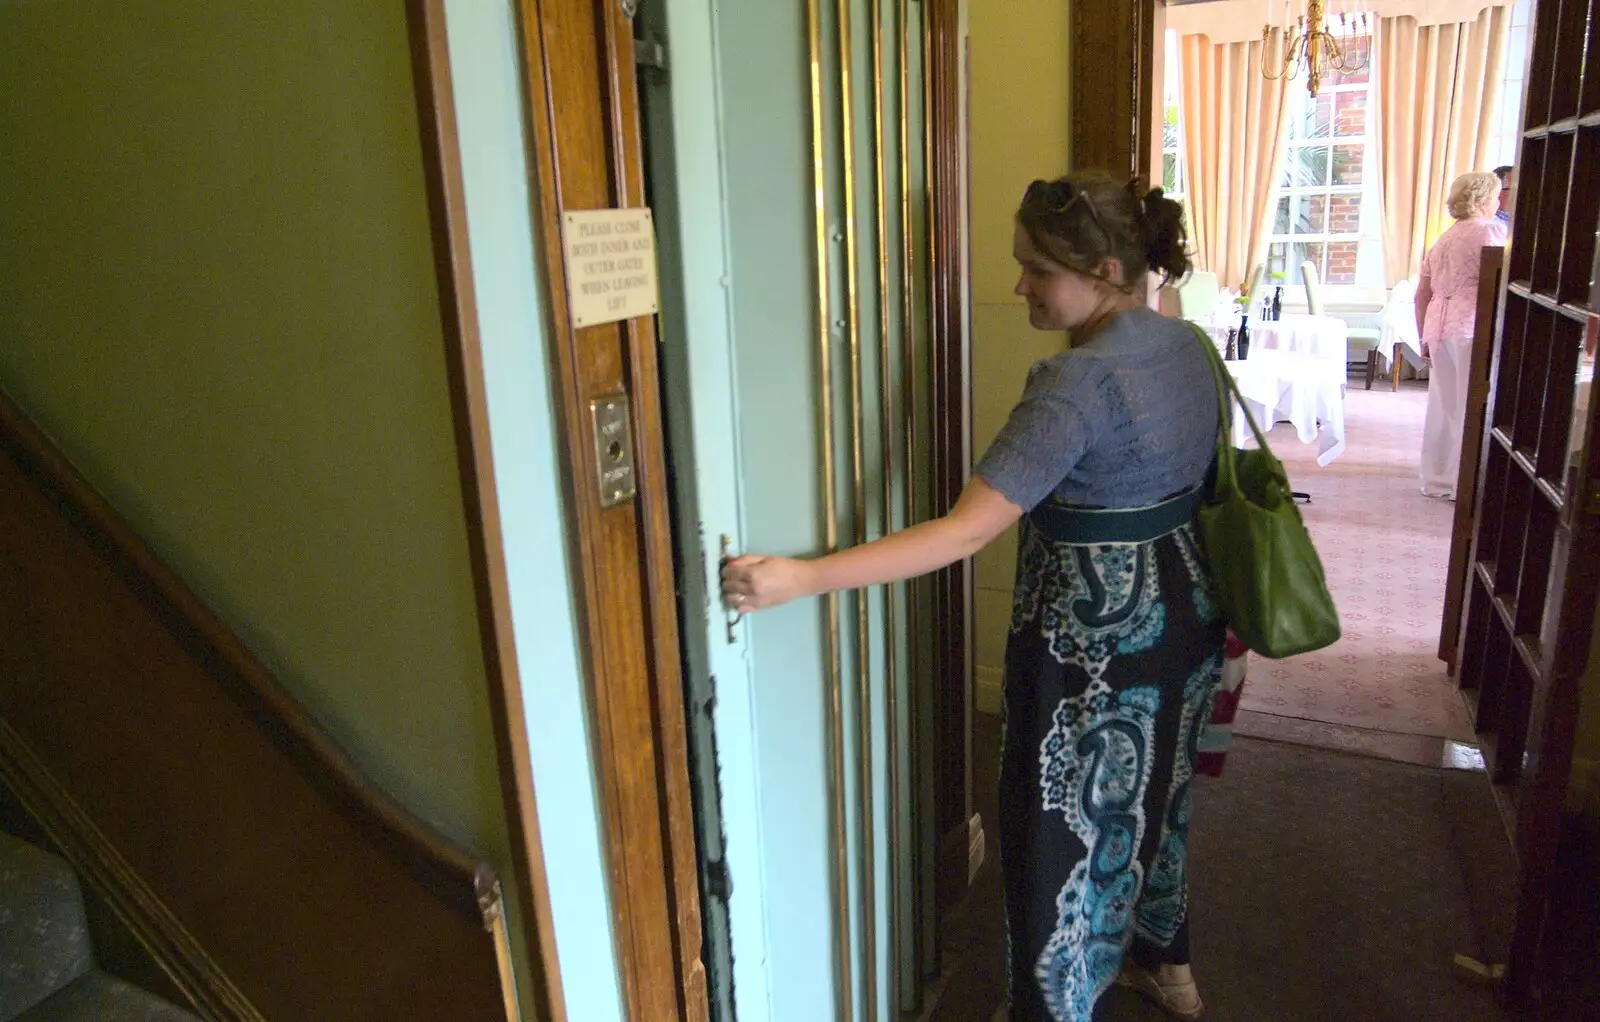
<point>1269,579</point>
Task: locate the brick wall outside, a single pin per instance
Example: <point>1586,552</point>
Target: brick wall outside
<point>1347,164</point>
<point>1351,116</point>
<point>1344,214</point>
<point>1341,267</point>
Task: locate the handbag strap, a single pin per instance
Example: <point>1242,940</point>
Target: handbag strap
<point>1228,397</point>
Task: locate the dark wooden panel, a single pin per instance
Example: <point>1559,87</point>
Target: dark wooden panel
<point>951,441</point>
<point>1565,88</point>
<point>1537,549</point>
<point>1583,214</point>
<point>314,894</point>
<point>1113,54</point>
<point>1472,450</point>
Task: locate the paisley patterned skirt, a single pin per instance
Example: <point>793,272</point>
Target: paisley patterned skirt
<point>1115,652</point>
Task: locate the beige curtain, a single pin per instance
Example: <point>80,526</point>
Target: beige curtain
<point>1235,122</point>
<point>1439,90</point>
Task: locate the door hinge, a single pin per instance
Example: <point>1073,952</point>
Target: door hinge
<point>650,52</point>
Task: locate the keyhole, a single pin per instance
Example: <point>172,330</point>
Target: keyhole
<point>614,451</point>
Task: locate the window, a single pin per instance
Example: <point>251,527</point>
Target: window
<point>1325,204</point>
<point>1505,144</point>
<point>1172,168</point>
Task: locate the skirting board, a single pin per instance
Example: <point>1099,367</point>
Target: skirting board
<point>989,689</point>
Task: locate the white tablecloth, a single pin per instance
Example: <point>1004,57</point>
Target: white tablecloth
<point>1326,336</point>
<point>1399,325</point>
<point>1305,390</point>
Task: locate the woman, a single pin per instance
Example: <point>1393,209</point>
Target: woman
<point>1116,641</point>
<point>1447,306</point>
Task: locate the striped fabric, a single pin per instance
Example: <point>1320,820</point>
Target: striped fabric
<point>1214,740</point>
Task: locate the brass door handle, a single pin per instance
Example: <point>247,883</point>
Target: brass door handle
<point>729,617</point>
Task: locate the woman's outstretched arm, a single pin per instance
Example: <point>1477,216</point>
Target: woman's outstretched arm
<point>756,582</point>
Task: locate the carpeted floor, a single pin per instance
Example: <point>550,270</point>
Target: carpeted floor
<point>1325,887</point>
<point>1384,547</point>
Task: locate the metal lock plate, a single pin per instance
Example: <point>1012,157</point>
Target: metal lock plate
<point>613,449</point>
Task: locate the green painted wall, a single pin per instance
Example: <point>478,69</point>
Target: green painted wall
<point>1019,131</point>
<point>218,298</point>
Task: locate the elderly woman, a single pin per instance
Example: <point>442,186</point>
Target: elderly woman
<point>1447,305</point>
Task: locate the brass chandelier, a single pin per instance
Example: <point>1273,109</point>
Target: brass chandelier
<point>1316,51</point>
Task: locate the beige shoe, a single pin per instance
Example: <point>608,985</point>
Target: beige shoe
<point>1179,999</point>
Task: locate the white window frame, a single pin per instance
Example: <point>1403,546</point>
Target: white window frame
<point>1367,236</point>
<point>1172,101</point>
<point>1506,141</point>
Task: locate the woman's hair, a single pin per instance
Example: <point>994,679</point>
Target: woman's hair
<point>1081,219</point>
<point>1470,195</point>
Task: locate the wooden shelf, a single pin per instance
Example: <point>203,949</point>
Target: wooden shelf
<point>1508,613</point>
<point>1527,646</point>
<point>1557,499</point>
<point>1485,573</point>
<point>1523,460</point>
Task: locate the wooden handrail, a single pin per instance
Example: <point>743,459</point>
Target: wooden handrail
<point>436,860</point>
<point>130,645</point>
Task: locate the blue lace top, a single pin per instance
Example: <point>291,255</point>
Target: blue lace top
<point>1123,421</point>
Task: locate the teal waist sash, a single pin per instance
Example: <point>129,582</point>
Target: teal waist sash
<point>1065,523</point>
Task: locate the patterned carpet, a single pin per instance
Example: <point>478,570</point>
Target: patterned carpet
<point>1384,547</point>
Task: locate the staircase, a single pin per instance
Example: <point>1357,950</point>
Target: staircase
<point>47,970</point>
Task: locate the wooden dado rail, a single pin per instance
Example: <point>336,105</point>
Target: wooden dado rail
<point>196,797</point>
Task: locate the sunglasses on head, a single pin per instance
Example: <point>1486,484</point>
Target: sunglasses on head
<point>1058,197</point>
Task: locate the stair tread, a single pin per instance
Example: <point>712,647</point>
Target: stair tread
<point>101,997</point>
<point>42,926</point>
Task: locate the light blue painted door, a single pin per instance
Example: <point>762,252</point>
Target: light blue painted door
<point>785,187</point>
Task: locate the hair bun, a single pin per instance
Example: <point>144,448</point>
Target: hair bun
<point>1163,231</point>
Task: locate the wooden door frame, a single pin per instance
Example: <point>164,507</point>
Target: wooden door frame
<point>446,197</point>
<point>1113,92</point>
<point>586,148</point>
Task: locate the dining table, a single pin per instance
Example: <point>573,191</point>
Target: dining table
<point>1326,337</point>
<point>1302,388</point>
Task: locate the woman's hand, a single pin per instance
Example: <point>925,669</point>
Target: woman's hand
<point>754,582</point>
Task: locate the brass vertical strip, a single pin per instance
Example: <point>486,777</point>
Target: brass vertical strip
<point>865,851</point>
<point>908,385</point>
<point>891,658</point>
<point>935,582</point>
<point>834,708</point>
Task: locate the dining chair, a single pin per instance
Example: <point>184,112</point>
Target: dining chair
<point>1363,340</point>
<point>1398,324</point>
<point>1197,295</point>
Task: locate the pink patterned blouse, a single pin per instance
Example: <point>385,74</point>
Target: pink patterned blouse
<point>1451,269</point>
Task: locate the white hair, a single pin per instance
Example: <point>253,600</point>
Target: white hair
<point>1470,195</point>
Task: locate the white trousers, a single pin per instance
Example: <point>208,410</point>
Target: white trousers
<point>1447,415</point>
